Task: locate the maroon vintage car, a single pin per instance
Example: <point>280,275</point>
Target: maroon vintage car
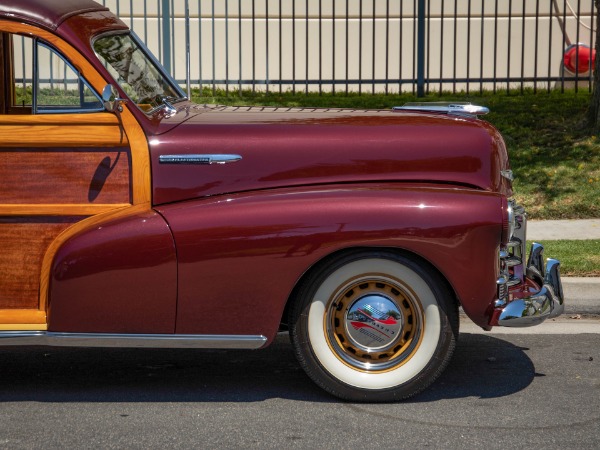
<point>130,216</point>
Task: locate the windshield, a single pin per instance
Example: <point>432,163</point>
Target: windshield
<point>137,73</point>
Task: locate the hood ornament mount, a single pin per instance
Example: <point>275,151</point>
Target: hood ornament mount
<point>458,108</point>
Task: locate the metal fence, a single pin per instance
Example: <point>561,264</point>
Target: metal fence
<point>368,45</point>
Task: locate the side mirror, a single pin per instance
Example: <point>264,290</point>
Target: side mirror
<point>111,100</point>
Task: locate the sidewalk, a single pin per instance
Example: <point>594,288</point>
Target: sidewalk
<point>541,230</point>
<point>582,295</point>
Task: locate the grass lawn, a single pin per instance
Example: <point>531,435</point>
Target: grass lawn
<point>555,160</point>
<point>577,258</point>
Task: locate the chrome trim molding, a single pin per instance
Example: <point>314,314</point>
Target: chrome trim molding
<point>508,174</point>
<point>49,338</point>
<point>170,110</point>
<point>512,255</point>
<point>198,159</point>
<point>534,307</point>
<point>459,108</point>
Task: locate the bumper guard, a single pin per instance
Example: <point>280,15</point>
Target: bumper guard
<point>548,302</point>
<point>528,293</point>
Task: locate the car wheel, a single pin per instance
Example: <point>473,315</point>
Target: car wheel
<point>373,326</point>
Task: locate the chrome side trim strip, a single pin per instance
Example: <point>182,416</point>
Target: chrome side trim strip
<point>198,159</point>
<point>49,338</point>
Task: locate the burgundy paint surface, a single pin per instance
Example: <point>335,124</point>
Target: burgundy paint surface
<point>240,256</point>
<point>116,277</point>
<point>311,182</point>
<point>281,147</point>
<point>46,13</point>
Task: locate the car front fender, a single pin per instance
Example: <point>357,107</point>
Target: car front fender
<point>116,274</point>
<point>240,256</point>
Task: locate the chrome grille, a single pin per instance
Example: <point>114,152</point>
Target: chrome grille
<point>512,255</point>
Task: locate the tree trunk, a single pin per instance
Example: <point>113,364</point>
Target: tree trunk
<point>594,111</point>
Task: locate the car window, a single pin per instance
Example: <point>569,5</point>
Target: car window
<point>22,53</point>
<point>46,82</point>
<point>138,74</point>
<point>59,87</point>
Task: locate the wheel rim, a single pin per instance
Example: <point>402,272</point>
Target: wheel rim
<point>374,323</point>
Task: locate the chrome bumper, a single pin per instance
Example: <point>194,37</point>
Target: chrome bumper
<point>527,294</point>
<point>544,304</point>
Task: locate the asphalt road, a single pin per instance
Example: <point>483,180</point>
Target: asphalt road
<point>500,391</point>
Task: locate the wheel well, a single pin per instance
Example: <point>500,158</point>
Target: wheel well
<point>408,254</point>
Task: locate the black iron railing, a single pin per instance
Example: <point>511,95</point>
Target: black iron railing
<point>368,45</point>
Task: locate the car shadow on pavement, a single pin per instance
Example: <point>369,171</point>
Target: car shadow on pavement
<point>482,366</point>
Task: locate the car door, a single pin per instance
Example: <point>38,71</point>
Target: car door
<point>63,159</point>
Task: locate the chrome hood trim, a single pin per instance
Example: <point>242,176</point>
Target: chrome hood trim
<point>460,108</point>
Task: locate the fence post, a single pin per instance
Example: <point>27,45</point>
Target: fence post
<point>421,49</point>
<point>187,51</point>
<point>166,31</point>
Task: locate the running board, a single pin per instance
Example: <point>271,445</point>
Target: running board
<point>49,338</point>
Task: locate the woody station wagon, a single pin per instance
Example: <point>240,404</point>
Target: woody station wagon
<point>130,216</point>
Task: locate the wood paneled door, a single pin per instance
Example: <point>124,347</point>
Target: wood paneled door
<point>63,158</point>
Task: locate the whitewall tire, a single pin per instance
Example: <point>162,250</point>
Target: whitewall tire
<point>373,325</point>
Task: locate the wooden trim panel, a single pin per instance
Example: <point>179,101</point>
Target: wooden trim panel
<point>24,243</point>
<point>60,136</point>
<point>22,316</point>
<point>65,175</point>
<point>140,155</point>
<point>69,130</point>
<point>99,118</point>
<point>59,209</point>
<point>62,130</point>
<point>24,326</point>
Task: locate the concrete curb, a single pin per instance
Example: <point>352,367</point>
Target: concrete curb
<point>582,295</point>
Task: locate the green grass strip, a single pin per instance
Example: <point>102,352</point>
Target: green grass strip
<point>555,157</point>
<point>577,258</point>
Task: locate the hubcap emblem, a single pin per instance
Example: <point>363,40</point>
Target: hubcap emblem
<point>374,322</point>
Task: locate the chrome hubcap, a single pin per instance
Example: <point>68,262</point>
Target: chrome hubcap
<point>374,323</point>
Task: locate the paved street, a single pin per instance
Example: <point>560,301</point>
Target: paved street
<point>501,391</point>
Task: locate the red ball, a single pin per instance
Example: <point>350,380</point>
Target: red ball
<point>582,52</point>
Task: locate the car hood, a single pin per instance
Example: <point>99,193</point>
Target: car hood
<point>284,147</point>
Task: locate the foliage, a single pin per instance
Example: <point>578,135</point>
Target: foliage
<point>23,95</point>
